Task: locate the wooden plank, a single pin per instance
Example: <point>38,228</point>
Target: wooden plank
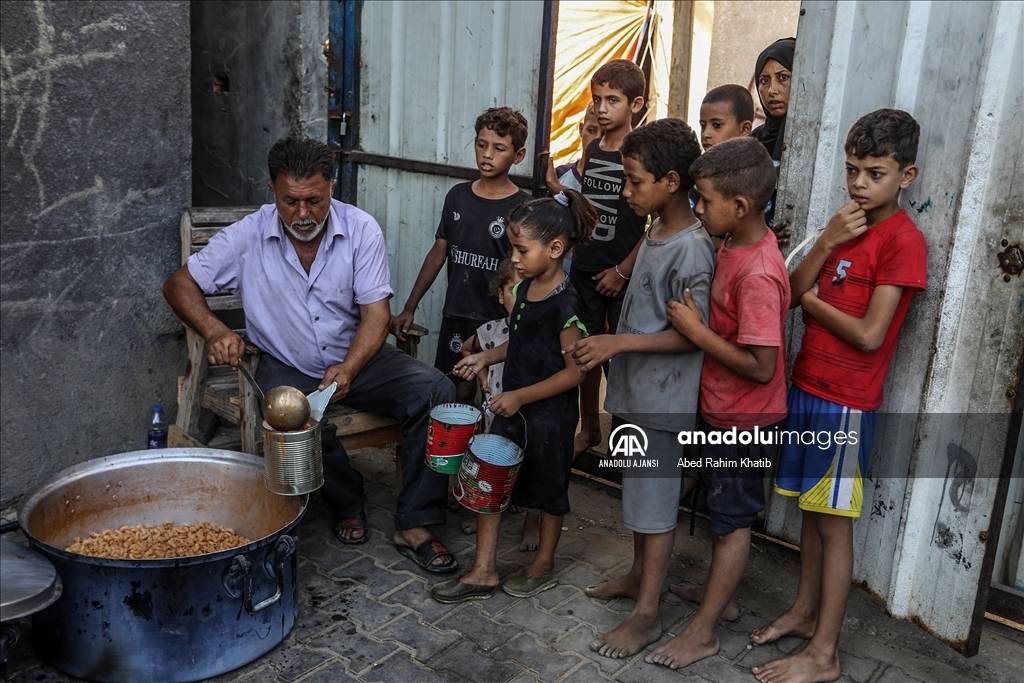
<point>191,394</point>
<point>250,420</point>
<point>411,344</point>
<point>179,439</point>
<point>374,438</point>
<point>185,235</point>
<point>202,236</point>
<point>227,438</point>
<point>204,216</point>
<point>224,302</point>
<point>358,421</point>
<point>218,399</point>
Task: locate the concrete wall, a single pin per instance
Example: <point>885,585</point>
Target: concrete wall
<point>96,172</point>
<point>741,31</point>
<point>725,38</point>
<point>258,73</point>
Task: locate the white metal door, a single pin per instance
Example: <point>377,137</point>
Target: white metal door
<point>426,71</point>
<point>933,502</point>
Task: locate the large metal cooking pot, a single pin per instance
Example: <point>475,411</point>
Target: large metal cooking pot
<point>164,620</point>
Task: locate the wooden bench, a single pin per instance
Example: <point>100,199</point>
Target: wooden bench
<point>224,392</point>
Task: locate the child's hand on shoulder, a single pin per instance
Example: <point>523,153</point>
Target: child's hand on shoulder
<point>470,366</point>
<point>593,351</point>
<point>684,315</point>
<point>506,404</point>
<point>848,223</point>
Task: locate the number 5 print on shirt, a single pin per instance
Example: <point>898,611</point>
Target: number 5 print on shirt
<point>841,271</point>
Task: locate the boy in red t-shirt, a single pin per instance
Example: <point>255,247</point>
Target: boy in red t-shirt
<point>742,382</point>
<point>855,287</point>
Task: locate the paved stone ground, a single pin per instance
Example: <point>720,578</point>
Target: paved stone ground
<point>365,614</point>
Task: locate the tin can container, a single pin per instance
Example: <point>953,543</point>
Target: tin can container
<point>451,427</point>
<point>293,461</point>
<point>488,474</point>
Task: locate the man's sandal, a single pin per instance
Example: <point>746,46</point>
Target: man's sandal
<point>425,553</point>
<point>346,526</point>
<point>454,591</point>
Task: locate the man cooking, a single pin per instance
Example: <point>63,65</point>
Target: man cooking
<point>312,275</point>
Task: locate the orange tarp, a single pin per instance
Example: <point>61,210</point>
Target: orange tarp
<point>589,34</point>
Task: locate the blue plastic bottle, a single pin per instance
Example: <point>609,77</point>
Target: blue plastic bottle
<point>157,428</point>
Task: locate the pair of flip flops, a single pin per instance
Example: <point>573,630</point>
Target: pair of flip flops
<point>519,585</point>
<point>422,555</point>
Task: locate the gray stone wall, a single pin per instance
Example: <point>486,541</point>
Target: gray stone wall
<point>96,131</point>
<point>258,74</point>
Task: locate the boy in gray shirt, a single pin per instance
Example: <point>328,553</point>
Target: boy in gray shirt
<point>655,371</point>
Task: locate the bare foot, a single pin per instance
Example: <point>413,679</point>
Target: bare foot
<point>531,532</point>
<point>790,623</point>
<point>584,441</point>
<point>806,666</point>
<point>695,593</point>
<point>628,638</point>
<point>684,650</point>
<point>620,587</point>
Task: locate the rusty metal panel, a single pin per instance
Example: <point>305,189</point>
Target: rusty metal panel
<point>922,541</point>
<point>427,70</point>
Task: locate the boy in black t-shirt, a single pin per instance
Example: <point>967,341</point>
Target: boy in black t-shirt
<point>602,266</point>
<point>471,239</point>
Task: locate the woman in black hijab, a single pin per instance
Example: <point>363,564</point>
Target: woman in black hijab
<point>773,75</point>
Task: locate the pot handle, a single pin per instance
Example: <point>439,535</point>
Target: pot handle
<point>238,580</point>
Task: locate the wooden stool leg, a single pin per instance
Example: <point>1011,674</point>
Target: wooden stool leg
<point>249,425</point>
<point>190,398</point>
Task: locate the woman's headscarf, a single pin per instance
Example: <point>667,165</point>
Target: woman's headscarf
<point>771,132</point>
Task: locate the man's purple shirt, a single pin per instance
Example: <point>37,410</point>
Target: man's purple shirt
<point>306,320</point>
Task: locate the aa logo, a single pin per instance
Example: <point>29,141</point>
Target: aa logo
<point>627,441</point>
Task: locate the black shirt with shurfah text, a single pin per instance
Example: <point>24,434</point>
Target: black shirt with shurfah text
<point>618,227</point>
<point>475,230</point>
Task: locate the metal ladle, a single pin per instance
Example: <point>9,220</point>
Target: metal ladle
<point>284,408</point>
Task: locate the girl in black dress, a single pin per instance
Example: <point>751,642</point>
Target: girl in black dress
<point>540,383</point>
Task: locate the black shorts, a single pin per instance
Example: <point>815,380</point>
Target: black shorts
<point>453,334</point>
<point>598,312</point>
<point>735,495</point>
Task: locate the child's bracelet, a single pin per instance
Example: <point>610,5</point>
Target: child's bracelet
<point>619,273</point>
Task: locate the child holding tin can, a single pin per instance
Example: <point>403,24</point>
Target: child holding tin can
<point>490,335</point>
<point>540,391</point>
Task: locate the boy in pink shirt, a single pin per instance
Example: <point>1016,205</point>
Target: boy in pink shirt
<point>742,384</point>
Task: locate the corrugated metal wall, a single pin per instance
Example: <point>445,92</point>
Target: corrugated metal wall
<point>957,68</point>
<point>427,71</point>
